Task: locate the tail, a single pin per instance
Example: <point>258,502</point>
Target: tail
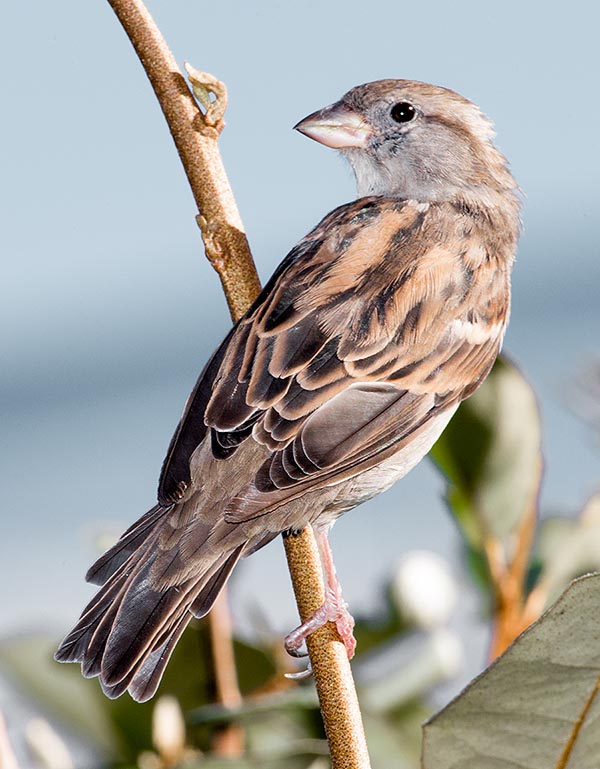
<point>128,631</point>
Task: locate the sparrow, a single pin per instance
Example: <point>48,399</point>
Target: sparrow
<point>336,382</point>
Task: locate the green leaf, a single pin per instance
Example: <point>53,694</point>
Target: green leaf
<point>568,548</point>
<point>79,703</point>
<point>189,677</point>
<point>122,728</point>
<point>538,705</point>
<point>490,454</point>
<point>297,698</point>
<point>392,745</point>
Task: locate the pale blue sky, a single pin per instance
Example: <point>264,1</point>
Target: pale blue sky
<point>109,309</point>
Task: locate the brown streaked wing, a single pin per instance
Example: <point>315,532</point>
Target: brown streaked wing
<point>382,332</point>
<point>285,331</point>
<point>192,428</point>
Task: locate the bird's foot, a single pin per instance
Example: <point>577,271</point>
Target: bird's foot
<point>335,610</point>
<point>301,674</point>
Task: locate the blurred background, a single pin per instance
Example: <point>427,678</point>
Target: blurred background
<point>109,309</point>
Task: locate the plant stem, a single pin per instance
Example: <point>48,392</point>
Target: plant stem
<point>228,741</point>
<point>512,614</point>
<point>195,136</point>
<point>196,141</point>
<point>328,657</point>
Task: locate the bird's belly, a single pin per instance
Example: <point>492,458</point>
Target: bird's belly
<point>379,478</point>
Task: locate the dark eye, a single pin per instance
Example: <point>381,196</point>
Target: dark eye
<point>402,112</point>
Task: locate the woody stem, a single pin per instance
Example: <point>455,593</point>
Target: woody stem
<point>228,250</point>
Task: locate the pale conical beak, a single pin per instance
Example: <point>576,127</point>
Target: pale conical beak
<point>336,126</point>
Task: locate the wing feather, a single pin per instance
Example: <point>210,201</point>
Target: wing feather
<point>365,333</point>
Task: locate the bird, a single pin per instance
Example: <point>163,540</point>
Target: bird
<point>335,383</point>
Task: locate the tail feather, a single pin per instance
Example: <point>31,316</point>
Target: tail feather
<point>148,677</point>
<point>210,592</point>
<point>146,664</point>
<point>141,619</point>
<point>91,664</point>
<point>127,633</point>
<point>74,646</point>
<point>128,543</point>
<point>144,679</point>
<point>147,619</point>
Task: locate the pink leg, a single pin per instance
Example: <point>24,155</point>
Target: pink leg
<point>335,609</point>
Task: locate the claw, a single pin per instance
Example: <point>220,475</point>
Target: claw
<point>295,639</point>
<point>301,674</point>
<point>293,651</point>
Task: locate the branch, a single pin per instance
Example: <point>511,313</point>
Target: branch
<point>512,612</point>
<point>195,135</point>
<point>328,657</point>
<point>228,741</point>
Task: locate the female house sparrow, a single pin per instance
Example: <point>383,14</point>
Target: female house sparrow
<point>336,382</point>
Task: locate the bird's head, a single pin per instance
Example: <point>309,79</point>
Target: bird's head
<point>413,140</point>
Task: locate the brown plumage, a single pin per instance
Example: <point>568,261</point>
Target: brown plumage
<point>335,383</point>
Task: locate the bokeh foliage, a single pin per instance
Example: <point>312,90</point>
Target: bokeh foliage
<point>491,457</point>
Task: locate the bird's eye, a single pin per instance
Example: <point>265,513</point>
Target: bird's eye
<point>402,112</point>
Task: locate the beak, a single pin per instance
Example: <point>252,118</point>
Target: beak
<point>336,126</point>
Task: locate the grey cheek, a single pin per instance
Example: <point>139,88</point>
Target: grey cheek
<point>389,144</point>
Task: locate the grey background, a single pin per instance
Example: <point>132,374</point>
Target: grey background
<point>108,308</point>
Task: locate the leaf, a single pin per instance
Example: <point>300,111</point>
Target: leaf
<point>491,455</point>
<point>298,698</point>
<point>121,728</point>
<point>537,706</point>
<point>61,689</point>
<point>568,548</point>
<point>392,745</point>
<point>190,679</point>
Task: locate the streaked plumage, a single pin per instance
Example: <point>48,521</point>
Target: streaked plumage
<point>336,382</point>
